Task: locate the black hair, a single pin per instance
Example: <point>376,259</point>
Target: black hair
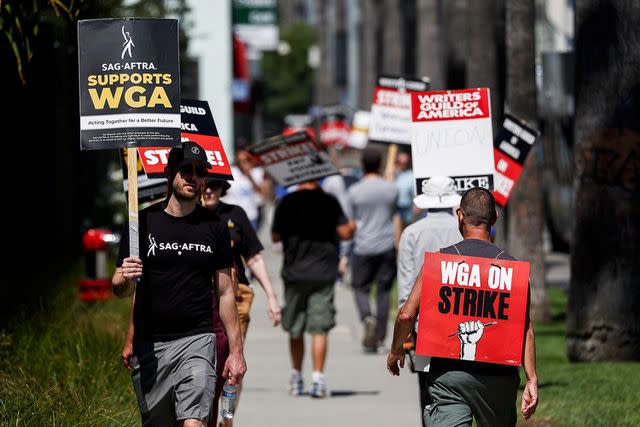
<point>214,184</point>
<point>478,207</point>
<point>371,160</point>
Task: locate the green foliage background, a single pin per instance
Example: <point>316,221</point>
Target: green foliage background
<point>288,79</point>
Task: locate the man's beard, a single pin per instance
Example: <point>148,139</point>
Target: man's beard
<point>183,196</point>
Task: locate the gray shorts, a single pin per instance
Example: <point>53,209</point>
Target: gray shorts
<point>458,397</point>
<point>175,380</point>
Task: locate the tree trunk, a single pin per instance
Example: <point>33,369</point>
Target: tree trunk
<point>369,50</point>
<point>392,54</point>
<point>430,55</point>
<point>525,215</point>
<point>482,52</point>
<point>603,318</point>
<point>455,42</point>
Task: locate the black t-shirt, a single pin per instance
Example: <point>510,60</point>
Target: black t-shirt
<point>307,220</point>
<point>244,240</point>
<point>482,249</point>
<point>180,256</point>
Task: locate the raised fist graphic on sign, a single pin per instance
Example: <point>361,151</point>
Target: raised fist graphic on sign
<point>469,333</point>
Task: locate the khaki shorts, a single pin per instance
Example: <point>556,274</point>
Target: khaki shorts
<point>244,299</point>
<point>308,307</point>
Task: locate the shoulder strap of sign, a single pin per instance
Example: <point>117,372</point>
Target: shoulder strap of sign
<point>498,256</point>
<point>456,248</point>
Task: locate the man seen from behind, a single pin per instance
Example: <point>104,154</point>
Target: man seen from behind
<point>462,390</point>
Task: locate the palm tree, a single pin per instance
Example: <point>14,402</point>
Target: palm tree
<point>525,215</point>
<point>603,317</point>
<point>392,52</point>
<point>483,55</point>
<point>430,57</point>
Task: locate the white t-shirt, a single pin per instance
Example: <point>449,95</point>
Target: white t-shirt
<point>241,192</point>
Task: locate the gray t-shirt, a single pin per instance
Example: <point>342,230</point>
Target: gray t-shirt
<point>373,204</point>
<point>334,185</point>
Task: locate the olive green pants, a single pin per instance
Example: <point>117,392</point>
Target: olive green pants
<point>459,396</point>
<point>308,307</point>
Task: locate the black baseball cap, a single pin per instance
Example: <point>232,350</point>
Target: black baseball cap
<point>187,152</point>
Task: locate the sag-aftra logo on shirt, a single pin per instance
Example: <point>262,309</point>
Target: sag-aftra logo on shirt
<point>176,247</point>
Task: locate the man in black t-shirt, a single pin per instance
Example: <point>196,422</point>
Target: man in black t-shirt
<point>309,222</point>
<point>462,390</point>
<point>184,248</point>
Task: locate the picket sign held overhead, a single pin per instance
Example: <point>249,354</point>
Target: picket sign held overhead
<point>334,130</point>
<point>293,159</point>
<point>197,126</point>
<point>129,82</point>
<point>511,148</point>
<point>473,308</point>
<point>390,119</point>
<point>451,135</point>
<point>197,118</point>
<point>359,135</point>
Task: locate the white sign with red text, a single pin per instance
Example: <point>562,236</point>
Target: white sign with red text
<point>451,135</point>
<point>390,119</point>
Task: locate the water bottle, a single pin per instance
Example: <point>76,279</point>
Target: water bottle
<point>229,396</point>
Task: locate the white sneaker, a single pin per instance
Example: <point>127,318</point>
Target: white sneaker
<point>296,385</point>
<point>319,390</point>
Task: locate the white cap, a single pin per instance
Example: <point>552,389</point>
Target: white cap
<point>437,192</point>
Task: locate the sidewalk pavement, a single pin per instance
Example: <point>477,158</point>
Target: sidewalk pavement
<point>363,393</point>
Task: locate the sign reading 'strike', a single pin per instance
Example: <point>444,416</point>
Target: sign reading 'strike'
<point>473,308</point>
<point>129,83</point>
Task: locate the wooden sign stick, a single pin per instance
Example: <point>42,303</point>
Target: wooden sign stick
<point>392,153</point>
<point>132,170</point>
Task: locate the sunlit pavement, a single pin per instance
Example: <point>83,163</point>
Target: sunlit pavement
<point>362,392</point>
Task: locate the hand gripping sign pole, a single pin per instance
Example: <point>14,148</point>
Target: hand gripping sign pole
<point>129,93</point>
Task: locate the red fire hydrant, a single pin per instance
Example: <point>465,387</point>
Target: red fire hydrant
<point>96,285</point>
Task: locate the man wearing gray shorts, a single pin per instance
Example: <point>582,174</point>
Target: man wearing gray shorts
<point>184,248</point>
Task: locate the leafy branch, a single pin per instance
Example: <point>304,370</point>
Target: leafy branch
<point>19,23</point>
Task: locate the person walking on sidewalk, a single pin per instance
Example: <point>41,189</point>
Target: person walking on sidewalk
<point>373,205</point>
<point>404,182</point>
<point>437,229</point>
<point>184,249</point>
<point>249,188</point>
<point>462,390</point>
<point>246,250</point>
<point>309,222</point>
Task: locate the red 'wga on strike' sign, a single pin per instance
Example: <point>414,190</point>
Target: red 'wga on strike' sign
<point>473,308</point>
